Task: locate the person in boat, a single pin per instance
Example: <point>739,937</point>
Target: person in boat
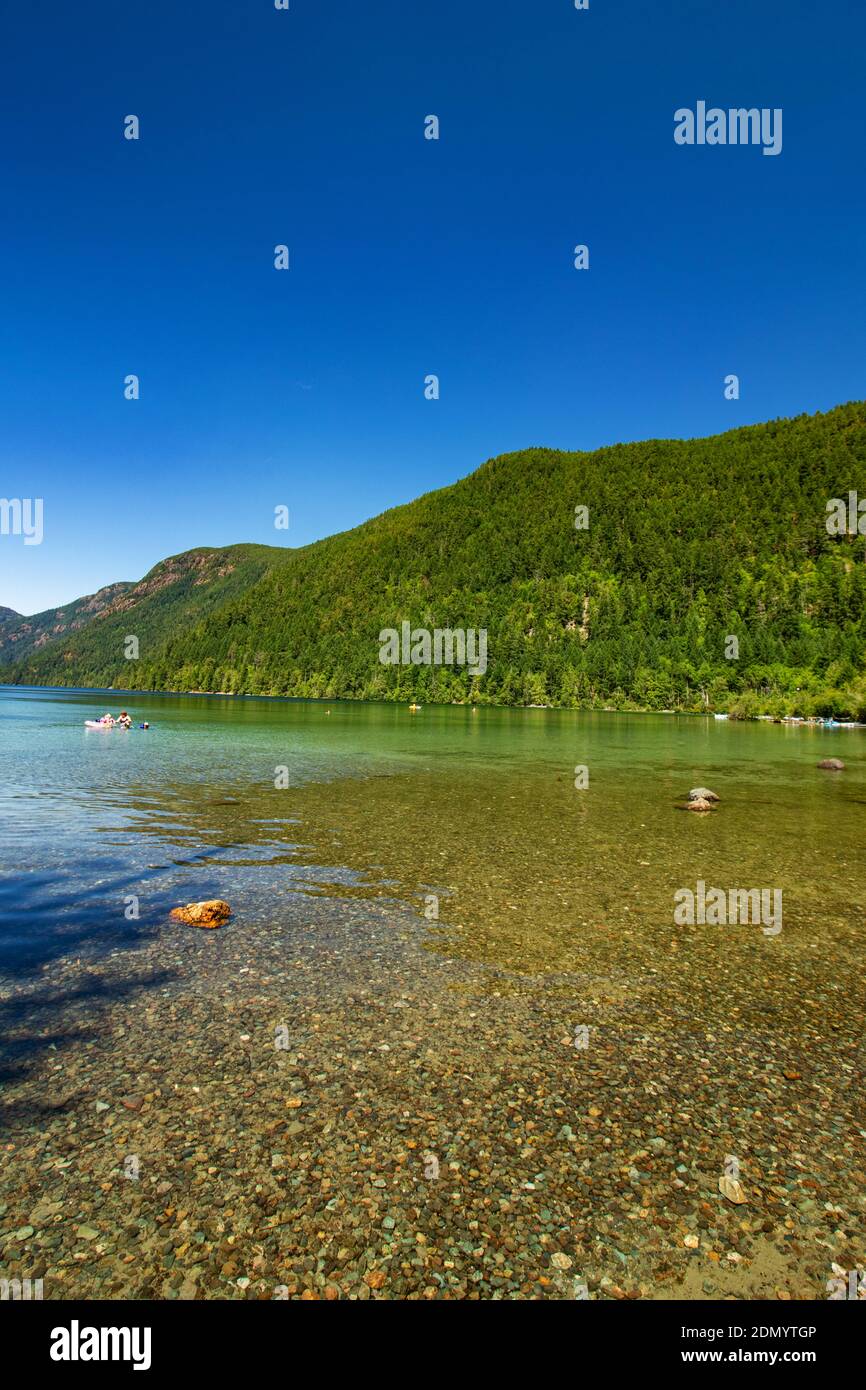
<point>124,720</point>
<point>107,719</point>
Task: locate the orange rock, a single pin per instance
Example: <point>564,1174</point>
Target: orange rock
<point>376,1278</point>
<point>733,1190</point>
<point>208,914</point>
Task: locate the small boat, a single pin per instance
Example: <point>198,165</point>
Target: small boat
<point>720,716</point>
<point>98,724</point>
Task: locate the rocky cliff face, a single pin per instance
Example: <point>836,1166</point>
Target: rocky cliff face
<point>89,633</point>
<point>19,636</point>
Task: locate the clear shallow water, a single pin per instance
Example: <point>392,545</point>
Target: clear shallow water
<point>453,1037</point>
<point>478,808</point>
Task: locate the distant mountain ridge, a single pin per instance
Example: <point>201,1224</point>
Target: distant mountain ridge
<point>689,543</point>
<point>9,619</point>
<point>20,636</point>
<point>181,589</point>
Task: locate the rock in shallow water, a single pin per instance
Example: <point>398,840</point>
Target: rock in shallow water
<point>702,794</point>
<point>732,1189</point>
<point>832,764</point>
<point>207,914</point>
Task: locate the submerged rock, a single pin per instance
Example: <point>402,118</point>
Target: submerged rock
<point>732,1189</point>
<point>832,764</point>
<point>208,914</point>
<point>702,794</point>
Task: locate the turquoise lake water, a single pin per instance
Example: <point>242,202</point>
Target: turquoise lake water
<point>476,812</point>
<point>430,912</point>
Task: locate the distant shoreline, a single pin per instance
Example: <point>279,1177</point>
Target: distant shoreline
<point>111,690</point>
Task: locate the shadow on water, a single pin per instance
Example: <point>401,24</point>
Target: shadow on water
<point>32,1023</point>
<point>43,916</point>
<point>46,918</point>
<point>41,1011</point>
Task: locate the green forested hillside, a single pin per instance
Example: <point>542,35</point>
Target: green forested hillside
<point>20,636</point>
<point>88,636</point>
<point>688,543</point>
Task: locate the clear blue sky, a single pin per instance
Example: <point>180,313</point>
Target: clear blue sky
<point>408,256</point>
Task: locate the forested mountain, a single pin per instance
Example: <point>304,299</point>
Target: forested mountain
<point>688,544</point>
<point>20,636</point>
<point>8,616</point>
<point>90,633</point>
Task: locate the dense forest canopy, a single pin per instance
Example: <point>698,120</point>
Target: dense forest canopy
<point>687,544</point>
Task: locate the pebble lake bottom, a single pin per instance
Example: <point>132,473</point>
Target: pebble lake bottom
<point>367,1084</point>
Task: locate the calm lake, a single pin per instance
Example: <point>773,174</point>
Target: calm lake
<point>440,867</point>
<point>477,808</point>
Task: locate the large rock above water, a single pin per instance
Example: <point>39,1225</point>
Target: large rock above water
<point>702,794</point>
<point>832,764</point>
